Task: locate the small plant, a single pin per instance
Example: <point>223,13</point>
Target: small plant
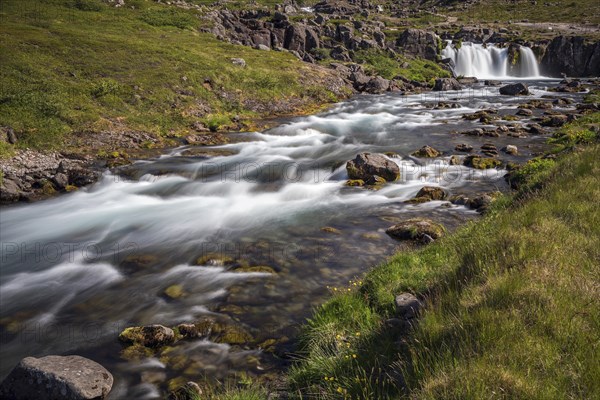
<point>105,87</point>
<point>89,5</point>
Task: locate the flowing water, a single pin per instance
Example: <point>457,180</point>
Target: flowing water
<point>67,286</point>
<point>491,62</point>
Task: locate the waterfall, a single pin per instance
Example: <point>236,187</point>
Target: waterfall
<point>491,62</point>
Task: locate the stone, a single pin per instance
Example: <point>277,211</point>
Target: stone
<point>187,330</point>
<point>465,148</point>
<point>148,336</point>
<point>536,129</point>
<point>492,83</point>
<point>478,162</point>
<point>510,149</point>
<point>240,62</point>
<point>377,85</point>
<point>455,160</point>
<point>60,181</point>
<point>489,149</point>
<point>525,112</point>
<point>431,193</point>
<point>416,229</point>
<point>515,89</point>
<point>57,377</point>
<point>407,306</point>
<point>555,121</point>
<point>426,152</point>
<point>368,165</point>
<point>262,47</point>
<point>445,84</point>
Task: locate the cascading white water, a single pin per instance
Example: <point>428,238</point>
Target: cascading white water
<point>491,62</point>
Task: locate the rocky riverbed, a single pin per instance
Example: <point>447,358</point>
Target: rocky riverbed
<point>202,262</point>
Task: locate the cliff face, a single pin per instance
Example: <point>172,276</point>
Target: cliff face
<point>571,56</point>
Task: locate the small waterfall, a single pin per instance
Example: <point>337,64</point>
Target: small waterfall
<point>491,62</point>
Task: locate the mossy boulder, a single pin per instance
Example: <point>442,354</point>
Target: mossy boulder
<point>478,162</point>
<point>426,152</point>
<point>371,168</point>
<point>416,229</point>
<point>432,193</point>
<point>148,336</point>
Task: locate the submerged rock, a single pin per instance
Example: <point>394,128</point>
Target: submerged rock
<point>416,229</point>
<point>57,377</point>
<point>148,336</point>
<point>366,166</point>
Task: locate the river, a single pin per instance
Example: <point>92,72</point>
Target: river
<point>69,285</point>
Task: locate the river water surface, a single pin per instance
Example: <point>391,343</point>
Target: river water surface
<point>67,281</point>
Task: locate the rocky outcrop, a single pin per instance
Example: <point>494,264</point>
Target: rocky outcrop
<point>56,377</point>
<point>367,167</point>
<point>31,175</point>
<point>572,56</point>
<point>420,43</point>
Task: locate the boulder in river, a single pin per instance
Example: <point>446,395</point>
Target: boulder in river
<point>429,193</point>
<point>148,336</point>
<point>515,89</point>
<point>416,229</point>
<point>445,84</point>
<point>366,166</point>
<point>189,391</point>
<point>426,152</point>
<point>57,377</point>
<point>478,162</point>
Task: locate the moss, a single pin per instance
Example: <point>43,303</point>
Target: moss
<point>330,229</point>
<point>482,162</point>
<point>174,292</point>
<point>355,182</point>
<point>136,352</point>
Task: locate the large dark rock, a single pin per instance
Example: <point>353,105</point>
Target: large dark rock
<point>572,56</point>
<point>445,84</point>
<point>366,166</point>
<point>515,89</point>
<point>419,43</point>
<point>57,377</point>
<point>407,306</point>
<point>295,38</point>
<point>377,85</point>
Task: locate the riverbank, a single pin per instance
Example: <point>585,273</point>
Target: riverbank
<point>509,303</point>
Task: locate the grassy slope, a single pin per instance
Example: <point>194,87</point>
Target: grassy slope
<point>513,307</point>
<point>579,11</point>
<point>78,64</point>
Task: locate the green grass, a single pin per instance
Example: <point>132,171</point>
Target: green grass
<point>540,11</point>
<point>80,65</point>
<point>380,63</point>
<point>512,305</point>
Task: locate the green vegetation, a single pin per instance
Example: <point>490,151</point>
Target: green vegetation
<point>81,65</point>
<point>381,63</point>
<point>512,307</point>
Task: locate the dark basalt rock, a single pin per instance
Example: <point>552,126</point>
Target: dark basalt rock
<point>515,89</point>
